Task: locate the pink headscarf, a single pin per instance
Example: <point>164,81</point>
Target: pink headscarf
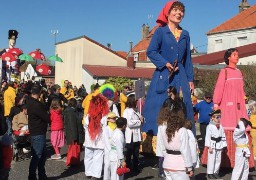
<point>162,19</point>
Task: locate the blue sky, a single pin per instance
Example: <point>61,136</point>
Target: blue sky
<point>113,21</point>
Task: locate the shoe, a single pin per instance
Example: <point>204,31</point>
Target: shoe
<point>25,150</point>
<point>56,157</point>
<point>217,176</point>
<point>211,176</point>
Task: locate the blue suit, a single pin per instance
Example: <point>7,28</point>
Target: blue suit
<point>164,48</point>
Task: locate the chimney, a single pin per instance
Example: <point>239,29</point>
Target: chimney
<point>130,58</point>
<point>145,31</point>
<point>243,5</point>
<point>109,45</point>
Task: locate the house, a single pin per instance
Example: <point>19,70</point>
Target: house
<point>88,62</point>
<point>239,30</point>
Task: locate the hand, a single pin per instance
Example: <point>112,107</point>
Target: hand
<point>123,164</point>
<point>170,67</point>
<point>210,150</point>
<point>141,119</point>
<point>192,87</point>
<point>191,173</point>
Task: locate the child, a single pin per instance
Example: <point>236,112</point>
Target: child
<point>215,140</point>
<point>57,133</point>
<point>192,144</point>
<point>241,169</point>
<point>175,148</point>
<point>107,134</point>
<point>116,154</point>
<point>253,130</point>
<point>20,121</point>
<point>132,132</point>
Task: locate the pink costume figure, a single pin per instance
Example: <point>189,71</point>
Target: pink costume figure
<point>229,97</point>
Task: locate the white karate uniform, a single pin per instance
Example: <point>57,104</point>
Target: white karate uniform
<point>160,148</point>
<point>214,158</point>
<point>116,153</point>
<point>94,150</point>
<point>193,147</point>
<point>107,134</point>
<point>241,169</point>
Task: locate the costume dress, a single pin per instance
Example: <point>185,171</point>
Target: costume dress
<point>165,48</point>
<point>229,96</point>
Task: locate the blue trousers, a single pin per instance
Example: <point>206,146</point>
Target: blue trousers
<point>38,157</point>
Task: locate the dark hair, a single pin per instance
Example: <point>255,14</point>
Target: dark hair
<point>72,103</point>
<point>163,115</point>
<point>188,124</point>
<point>24,106</point>
<point>178,5</point>
<point>246,122</point>
<point>121,121</point>
<point>131,102</point>
<point>174,122</point>
<point>55,104</point>
<point>96,86</point>
<point>36,89</point>
<point>228,54</point>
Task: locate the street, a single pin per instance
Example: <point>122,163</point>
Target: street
<point>56,169</point>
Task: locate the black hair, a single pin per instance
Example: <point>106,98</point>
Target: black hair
<point>121,122</point>
<point>131,102</point>
<point>246,122</point>
<point>72,103</point>
<point>36,89</point>
<point>228,54</point>
<point>96,86</point>
<point>178,5</point>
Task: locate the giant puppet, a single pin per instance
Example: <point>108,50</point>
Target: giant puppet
<point>10,61</point>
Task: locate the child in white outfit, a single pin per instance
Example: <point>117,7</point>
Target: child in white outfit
<point>215,140</point>
<point>241,169</point>
<point>116,154</point>
<point>107,134</point>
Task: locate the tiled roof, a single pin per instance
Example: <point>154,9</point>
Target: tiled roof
<point>118,71</point>
<point>218,57</point>
<point>122,53</point>
<point>244,20</point>
<point>144,43</point>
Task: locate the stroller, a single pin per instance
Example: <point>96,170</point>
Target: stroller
<point>21,146</point>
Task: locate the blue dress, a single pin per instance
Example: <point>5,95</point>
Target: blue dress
<point>164,48</point>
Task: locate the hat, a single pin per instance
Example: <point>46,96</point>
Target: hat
<point>162,19</point>
<point>13,34</point>
<point>111,115</point>
<point>218,111</point>
<point>208,94</point>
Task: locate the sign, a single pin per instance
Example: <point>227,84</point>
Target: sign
<point>139,89</point>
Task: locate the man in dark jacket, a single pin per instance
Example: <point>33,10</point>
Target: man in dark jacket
<point>38,120</point>
<point>55,94</point>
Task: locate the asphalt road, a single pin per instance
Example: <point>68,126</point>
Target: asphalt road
<point>56,169</point>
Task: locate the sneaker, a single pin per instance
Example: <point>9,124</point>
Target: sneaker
<point>56,157</point>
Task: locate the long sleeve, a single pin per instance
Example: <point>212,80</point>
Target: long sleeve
<point>154,48</point>
<point>120,146</point>
<point>106,136</point>
<point>15,125</point>
<point>208,137</point>
<point>188,62</point>
<point>160,148</point>
<point>133,119</point>
<point>219,88</point>
<point>185,149</point>
<point>239,131</point>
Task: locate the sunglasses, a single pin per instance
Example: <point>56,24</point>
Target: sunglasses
<point>208,97</point>
<point>217,116</point>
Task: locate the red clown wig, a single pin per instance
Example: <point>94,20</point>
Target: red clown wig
<point>97,109</point>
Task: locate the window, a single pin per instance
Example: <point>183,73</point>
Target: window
<point>218,45</point>
<point>241,41</point>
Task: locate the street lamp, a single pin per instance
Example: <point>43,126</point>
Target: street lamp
<point>55,33</point>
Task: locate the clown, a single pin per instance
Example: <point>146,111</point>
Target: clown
<point>94,123</point>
